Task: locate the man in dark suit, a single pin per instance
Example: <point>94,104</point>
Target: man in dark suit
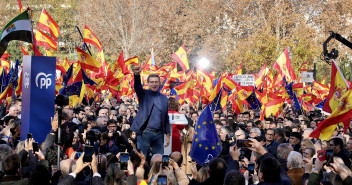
<point>152,120</point>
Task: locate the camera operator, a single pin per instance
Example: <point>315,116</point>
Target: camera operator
<point>116,136</point>
<point>104,146</point>
<point>227,137</point>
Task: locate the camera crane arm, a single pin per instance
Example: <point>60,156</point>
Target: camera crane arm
<point>334,52</point>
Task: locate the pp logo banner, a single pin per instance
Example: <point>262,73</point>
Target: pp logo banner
<point>43,79</point>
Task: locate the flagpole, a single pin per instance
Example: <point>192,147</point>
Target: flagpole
<point>80,33</point>
<point>33,37</point>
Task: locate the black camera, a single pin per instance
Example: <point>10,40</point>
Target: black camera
<point>230,137</point>
<point>61,100</point>
<point>92,136</point>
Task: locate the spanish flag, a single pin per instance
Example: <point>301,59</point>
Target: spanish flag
<point>239,70</point>
<point>181,57</point>
<point>338,88</point>
<point>342,113</point>
<point>89,37</point>
<point>48,24</point>
<point>87,61</point>
<point>283,64</point>
<point>304,67</point>
<point>259,78</point>
<point>274,107</point>
<point>44,40</point>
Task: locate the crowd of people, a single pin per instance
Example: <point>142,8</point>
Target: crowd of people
<point>122,142</point>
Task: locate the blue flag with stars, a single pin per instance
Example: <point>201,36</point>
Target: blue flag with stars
<point>215,104</point>
<point>206,143</point>
<point>321,104</point>
<point>253,101</point>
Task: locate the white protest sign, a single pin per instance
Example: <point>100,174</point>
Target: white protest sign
<point>244,80</point>
<point>307,77</point>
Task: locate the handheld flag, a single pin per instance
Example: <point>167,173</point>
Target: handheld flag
<point>181,57</point>
<point>283,64</point>
<point>206,144</point>
<point>338,88</point>
<point>44,40</point>
<point>89,37</point>
<point>20,28</point>
<point>48,24</point>
<point>342,113</point>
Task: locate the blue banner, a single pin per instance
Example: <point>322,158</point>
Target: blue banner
<point>38,96</point>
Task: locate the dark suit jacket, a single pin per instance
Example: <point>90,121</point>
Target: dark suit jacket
<point>145,98</point>
<point>68,180</point>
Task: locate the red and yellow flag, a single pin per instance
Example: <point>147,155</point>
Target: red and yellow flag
<point>181,57</point>
<point>89,37</point>
<point>342,113</point>
<point>87,61</point>
<point>259,78</point>
<point>44,40</point>
<point>338,88</point>
<point>273,107</point>
<point>304,67</point>
<point>239,70</point>
<point>283,64</point>
<point>48,24</point>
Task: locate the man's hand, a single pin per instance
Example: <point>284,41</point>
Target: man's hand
<point>80,165</point>
<point>6,131</point>
<point>137,69</point>
<point>257,146</point>
<point>235,153</point>
<point>173,164</point>
<point>54,123</point>
<point>141,156</point>
<point>194,170</point>
<point>340,169</point>
<point>40,155</point>
<point>167,140</point>
<point>318,165</point>
<point>94,164</point>
<point>130,168</point>
<point>28,144</point>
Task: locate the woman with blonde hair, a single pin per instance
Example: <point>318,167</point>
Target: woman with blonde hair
<point>306,143</point>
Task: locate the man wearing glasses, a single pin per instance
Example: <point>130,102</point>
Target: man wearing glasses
<point>270,144</point>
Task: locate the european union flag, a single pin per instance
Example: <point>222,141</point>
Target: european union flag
<point>177,83</point>
<point>67,76</point>
<point>321,104</point>
<point>296,106</point>
<point>72,89</point>
<point>289,90</point>
<point>253,101</point>
<point>215,104</point>
<point>206,144</point>
<point>87,80</point>
<point>162,85</point>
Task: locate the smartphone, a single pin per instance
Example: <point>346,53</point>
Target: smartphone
<point>162,180</point>
<point>314,159</point>
<point>251,168</point>
<point>35,147</point>
<point>124,157</point>
<point>329,157</point>
<point>165,160</point>
<point>29,135</point>
<point>78,155</point>
<point>88,153</point>
<point>243,143</point>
